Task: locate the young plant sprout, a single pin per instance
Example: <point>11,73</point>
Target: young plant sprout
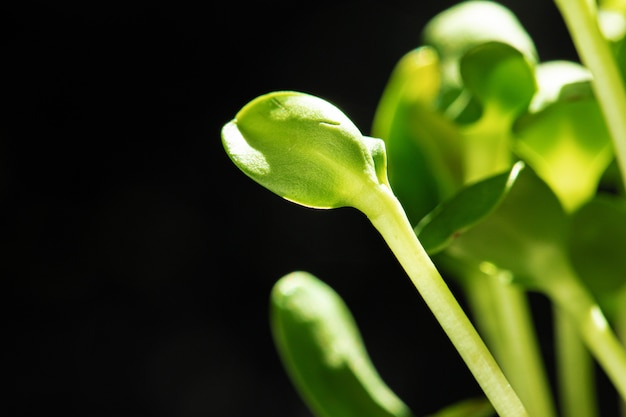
<point>501,171</point>
<point>307,151</point>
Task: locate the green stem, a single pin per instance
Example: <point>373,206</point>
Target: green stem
<point>574,367</point>
<point>595,53</point>
<point>523,363</point>
<point>570,296</point>
<point>503,317</point>
<point>388,217</point>
<point>482,303</point>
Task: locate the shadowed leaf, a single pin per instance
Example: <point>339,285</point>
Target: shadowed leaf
<point>499,75</point>
<point>323,352</point>
<point>464,210</point>
<point>597,243</point>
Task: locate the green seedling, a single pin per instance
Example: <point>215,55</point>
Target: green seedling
<point>502,173</point>
<point>264,142</point>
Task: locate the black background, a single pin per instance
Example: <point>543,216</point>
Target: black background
<point>139,258</point>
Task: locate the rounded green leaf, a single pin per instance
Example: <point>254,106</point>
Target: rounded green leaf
<point>323,352</point>
<point>304,149</point>
<point>499,75</point>
<point>462,27</point>
<point>464,210</point>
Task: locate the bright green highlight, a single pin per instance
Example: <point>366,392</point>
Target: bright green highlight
<point>304,149</point>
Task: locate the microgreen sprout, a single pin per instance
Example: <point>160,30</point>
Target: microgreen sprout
<point>264,142</point>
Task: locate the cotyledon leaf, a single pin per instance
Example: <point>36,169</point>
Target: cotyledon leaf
<point>501,80</point>
<point>465,209</point>
<point>564,137</point>
<point>304,149</point>
<point>499,76</point>
<point>323,352</point>
<point>461,28</point>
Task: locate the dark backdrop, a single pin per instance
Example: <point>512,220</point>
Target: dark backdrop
<point>139,258</point>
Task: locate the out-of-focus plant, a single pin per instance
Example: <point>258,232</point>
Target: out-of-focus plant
<point>486,166</point>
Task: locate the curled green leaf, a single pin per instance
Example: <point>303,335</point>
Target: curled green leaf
<point>304,149</point>
<point>464,210</point>
<point>461,27</point>
<point>323,352</point>
<point>499,76</point>
<point>457,30</point>
<point>501,80</point>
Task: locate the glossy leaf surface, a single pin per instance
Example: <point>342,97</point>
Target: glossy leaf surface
<point>304,149</point>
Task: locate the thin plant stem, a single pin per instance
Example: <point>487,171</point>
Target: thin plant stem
<point>502,315</point>
<point>389,218</point>
<point>482,304</point>
<point>574,367</point>
<point>524,365</point>
<point>569,295</point>
<point>581,19</point>
<point>479,298</point>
